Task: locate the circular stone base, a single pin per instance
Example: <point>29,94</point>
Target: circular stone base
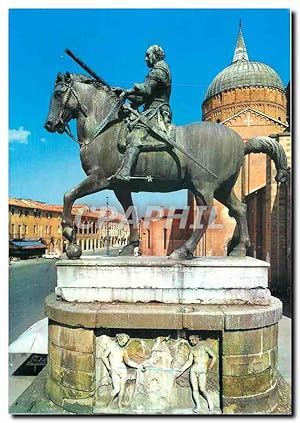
<point>247,338</point>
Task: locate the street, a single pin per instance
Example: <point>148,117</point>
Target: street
<point>30,281</point>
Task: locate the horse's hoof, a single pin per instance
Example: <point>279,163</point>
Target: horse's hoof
<point>131,249</point>
<point>73,251</point>
<point>238,252</point>
<point>127,251</point>
<point>181,255</point>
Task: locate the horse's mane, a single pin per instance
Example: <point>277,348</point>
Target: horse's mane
<point>88,80</point>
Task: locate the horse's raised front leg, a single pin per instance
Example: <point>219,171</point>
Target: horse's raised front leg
<point>204,203</point>
<point>88,186</point>
<point>124,196</point>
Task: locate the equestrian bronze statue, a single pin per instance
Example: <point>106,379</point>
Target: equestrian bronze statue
<point>127,150</point>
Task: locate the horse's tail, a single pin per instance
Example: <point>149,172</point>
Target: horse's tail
<point>274,150</point>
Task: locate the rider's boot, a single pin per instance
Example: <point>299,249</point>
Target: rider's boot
<point>129,159</point>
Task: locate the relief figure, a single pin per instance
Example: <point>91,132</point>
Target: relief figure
<point>201,360</point>
<point>116,360</point>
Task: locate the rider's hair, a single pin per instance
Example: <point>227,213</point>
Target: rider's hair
<point>157,50</point>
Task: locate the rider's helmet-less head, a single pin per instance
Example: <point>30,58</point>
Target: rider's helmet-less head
<point>154,53</point>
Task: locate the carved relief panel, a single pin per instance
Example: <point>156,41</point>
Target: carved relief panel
<point>159,372</point>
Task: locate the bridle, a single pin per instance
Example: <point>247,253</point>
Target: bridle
<point>81,108</point>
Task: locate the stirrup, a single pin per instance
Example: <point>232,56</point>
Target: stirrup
<point>119,177</point>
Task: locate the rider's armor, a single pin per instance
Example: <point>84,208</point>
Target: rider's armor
<point>154,94</point>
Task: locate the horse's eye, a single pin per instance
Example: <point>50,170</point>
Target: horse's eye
<point>58,94</point>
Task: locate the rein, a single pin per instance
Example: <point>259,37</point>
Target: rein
<point>105,121</point>
<point>70,90</point>
<point>81,108</point>
<point>68,131</point>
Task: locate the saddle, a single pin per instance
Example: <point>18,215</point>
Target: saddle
<point>157,138</point>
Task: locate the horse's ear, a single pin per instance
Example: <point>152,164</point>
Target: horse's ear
<point>60,77</point>
<point>68,76</point>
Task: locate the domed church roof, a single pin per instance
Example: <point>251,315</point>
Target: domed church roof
<point>243,73</point>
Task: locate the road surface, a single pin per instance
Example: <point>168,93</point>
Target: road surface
<point>30,281</point>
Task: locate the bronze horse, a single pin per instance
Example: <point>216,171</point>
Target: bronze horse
<point>218,148</point>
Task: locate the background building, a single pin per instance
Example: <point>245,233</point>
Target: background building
<point>161,237</point>
<point>270,224</point>
<point>29,219</point>
<point>249,97</point>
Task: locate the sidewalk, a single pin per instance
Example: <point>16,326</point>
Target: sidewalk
<point>17,384</point>
<point>285,349</point>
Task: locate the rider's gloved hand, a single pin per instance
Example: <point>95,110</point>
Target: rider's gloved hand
<point>129,92</point>
<point>117,90</point>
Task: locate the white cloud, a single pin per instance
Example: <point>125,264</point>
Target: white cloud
<point>43,140</point>
<point>19,135</point>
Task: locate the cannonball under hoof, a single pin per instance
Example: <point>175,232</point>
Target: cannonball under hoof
<point>73,251</point>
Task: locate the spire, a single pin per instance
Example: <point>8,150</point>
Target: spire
<point>240,52</point>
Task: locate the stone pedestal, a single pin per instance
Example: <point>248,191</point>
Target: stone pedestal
<point>206,280</point>
<point>145,301</point>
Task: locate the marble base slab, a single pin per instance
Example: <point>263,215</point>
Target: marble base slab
<point>205,280</point>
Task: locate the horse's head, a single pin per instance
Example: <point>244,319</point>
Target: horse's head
<point>64,104</point>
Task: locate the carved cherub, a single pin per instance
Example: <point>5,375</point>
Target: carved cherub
<point>115,359</point>
<point>201,360</point>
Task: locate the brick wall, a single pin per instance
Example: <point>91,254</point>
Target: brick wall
<point>251,112</point>
<point>162,237</point>
<point>278,223</point>
<point>270,221</point>
<point>270,101</point>
<point>256,203</point>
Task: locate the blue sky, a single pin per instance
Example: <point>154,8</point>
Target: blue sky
<point>198,44</point>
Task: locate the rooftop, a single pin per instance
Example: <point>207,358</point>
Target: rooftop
<point>243,72</point>
<point>84,209</point>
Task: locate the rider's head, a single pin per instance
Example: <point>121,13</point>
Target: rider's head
<point>154,54</point>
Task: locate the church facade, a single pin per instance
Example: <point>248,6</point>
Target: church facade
<point>249,97</point>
